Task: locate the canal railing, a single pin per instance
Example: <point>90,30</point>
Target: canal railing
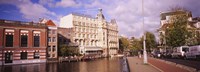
<point>77,58</point>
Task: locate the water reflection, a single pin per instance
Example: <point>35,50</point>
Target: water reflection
<point>100,65</point>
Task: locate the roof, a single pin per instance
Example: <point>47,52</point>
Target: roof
<point>164,14</point>
<point>82,15</point>
<point>164,26</point>
<point>50,23</point>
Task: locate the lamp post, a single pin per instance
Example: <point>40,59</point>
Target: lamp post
<point>144,36</point>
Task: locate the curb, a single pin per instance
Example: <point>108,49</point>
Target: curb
<point>190,69</point>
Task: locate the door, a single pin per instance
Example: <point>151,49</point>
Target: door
<point>8,57</point>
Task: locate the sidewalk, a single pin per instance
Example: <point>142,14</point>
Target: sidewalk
<point>136,65</point>
<point>164,66</point>
<point>154,65</point>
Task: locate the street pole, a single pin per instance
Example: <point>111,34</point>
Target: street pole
<point>144,36</point>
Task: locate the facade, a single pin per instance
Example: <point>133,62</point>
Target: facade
<point>192,26</point>
<point>52,50</point>
<point>93,35</point>
<point>113,39</point>
<point>22,42</point>
<point>64,38</point>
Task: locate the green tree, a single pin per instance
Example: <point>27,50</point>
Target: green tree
<point>150,41</point>
<point>135,45</point>
<point>69,50</point>
<point>176,33</point>
<point>123,44</point>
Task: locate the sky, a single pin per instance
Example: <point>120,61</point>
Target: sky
<point>128,13</point>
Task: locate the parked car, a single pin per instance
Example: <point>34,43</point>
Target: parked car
<point>179,52</point>
<point>193,53</point>
<point>156,54</point>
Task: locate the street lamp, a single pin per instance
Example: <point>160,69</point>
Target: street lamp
<point>144,36</point>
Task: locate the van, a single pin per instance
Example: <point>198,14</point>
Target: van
<point>193,53</point>
<point>179,52</point>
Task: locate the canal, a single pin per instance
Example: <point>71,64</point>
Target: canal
<point>98,65</point>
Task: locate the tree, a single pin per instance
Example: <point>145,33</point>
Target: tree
<point>123,44</point>
<point>176,33</point>
<point>69,50</point>
<point>135,45</point>
<point>150,41</point>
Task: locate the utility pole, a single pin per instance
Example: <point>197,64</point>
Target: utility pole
<point>144,36</point>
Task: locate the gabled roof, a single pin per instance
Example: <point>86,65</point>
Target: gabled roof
<point>50,23</point>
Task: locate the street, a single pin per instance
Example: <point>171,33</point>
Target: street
<point>191,63</point>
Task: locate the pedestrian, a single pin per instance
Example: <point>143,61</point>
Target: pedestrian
<point>139,54</point>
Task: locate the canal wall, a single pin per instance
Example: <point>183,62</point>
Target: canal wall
<point>128,68</point>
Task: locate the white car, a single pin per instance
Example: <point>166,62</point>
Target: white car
<point>194,52</point>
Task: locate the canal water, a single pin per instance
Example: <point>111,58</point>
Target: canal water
<point>98,65</point>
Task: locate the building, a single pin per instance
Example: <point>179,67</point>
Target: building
<point>52,50</point>
<point>22,42</point>
<point>113,38</point>
<point>64,38</point>
<point>166,20</point>
<point>93,35</point>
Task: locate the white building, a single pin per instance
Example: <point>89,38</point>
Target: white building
<point>94,35</point>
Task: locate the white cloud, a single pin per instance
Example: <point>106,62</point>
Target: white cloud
<point>31,11</point>
<point>34,11</point>
<point>128,13</point>
<point>67,3</point>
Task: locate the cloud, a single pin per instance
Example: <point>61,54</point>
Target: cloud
<point>67,3</point>
<point>31,11</point>
<point>128,13</point>
<point>34,11</point>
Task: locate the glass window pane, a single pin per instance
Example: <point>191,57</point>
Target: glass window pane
<point>9,40</point>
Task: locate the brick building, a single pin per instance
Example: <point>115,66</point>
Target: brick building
<point>52,50</point>
<point>22,42</point>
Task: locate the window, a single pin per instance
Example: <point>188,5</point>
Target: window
<point>83,23</point>
<point>53,31</point>
<point>79,30</point>
<point>8,57</point>
<point>36,39</point>
<point>53,55</point>
<point>49,48</point>
<point>9,40</point>
<point>83,29</point>
<point>54,39</point>
<point>88,36</point>
<point>79,35</point>
<point>36,55</point>
<point>9,33</point>
<point>24,39</point>
<point>54,48</point>
<point>79,23</point>
<point>48,55</point>
<point>23,55</point>
<point>49,31</point>
<point>49,39</point>
<point>91,43</point>
<point>91,36</point>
